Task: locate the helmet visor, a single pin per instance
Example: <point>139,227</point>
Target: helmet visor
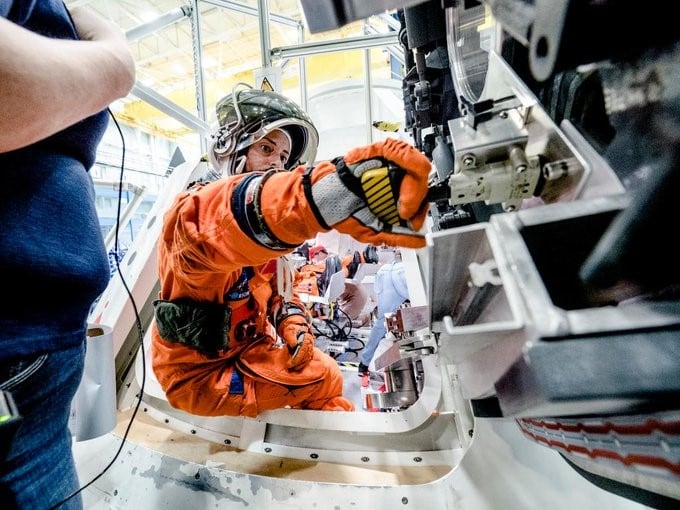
<point>249,115</point>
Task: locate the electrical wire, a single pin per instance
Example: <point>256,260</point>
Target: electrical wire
<point>138,323</point>
<point>338,331</point>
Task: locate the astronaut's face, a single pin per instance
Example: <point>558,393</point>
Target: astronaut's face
<point>270,152</point>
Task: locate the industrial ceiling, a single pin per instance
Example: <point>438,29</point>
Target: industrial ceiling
<point>190,54</point>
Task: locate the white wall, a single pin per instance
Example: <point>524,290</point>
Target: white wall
<point>339,114</point>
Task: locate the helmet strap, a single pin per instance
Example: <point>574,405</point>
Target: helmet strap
<point>239,164</point>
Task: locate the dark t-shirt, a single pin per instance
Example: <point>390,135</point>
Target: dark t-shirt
<point>53,262</point>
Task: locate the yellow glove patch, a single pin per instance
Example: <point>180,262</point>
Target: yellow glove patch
<point>381,194</point>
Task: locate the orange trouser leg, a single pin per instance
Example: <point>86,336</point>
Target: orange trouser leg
<point>323,395</point>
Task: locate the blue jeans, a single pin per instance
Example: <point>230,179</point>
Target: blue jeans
<point>38,470</point>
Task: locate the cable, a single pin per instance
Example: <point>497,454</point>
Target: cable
<point>348,322</point>
<point>339,332</point>
<point>138,323</point>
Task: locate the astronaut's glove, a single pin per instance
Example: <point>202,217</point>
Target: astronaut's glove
<point>337,192</point>
<point>292,323</point>
<point>297,334</point>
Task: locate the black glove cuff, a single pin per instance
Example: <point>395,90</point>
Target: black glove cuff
<point>286,310</point>
<point>351,181</point>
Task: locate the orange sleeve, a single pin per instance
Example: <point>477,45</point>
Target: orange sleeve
<point>285,208</point>
<point>202,243</point>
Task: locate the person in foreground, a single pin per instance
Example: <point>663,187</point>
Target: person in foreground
<point>59,71</point>
<point>225,341</point>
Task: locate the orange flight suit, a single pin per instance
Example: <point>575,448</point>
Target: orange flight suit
<point>202,254</point>
<point>306,278</point>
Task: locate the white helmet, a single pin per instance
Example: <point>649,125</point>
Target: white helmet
<point>245,116</point>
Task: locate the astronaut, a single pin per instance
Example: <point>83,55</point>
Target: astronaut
<point>225,340</point>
